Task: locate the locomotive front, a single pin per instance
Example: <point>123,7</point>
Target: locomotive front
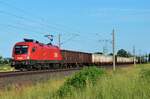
<point>21,54</point>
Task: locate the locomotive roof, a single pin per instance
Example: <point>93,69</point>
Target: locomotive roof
<point>31,41</point>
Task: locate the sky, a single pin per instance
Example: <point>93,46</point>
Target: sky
<point>84,25</point>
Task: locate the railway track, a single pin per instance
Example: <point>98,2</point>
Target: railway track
<point>20,73</point>
<point>15,79</point>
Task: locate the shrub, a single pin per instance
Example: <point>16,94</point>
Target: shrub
<point>80,80</point>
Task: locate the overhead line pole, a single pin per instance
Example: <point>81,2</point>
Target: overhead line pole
<point>134,55</point>
<point>140,56</point>
<point>59,42</point>
<point>113,47</point>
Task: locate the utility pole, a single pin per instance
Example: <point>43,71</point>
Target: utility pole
<point>140,56</point>
<point>134,56</point>
<point>113,47</point>
<point>147,57</point>
<point>59,42</point>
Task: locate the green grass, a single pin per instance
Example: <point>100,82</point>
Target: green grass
<point>126,83</point>
<point>38,91</point>
<point>6,68</point>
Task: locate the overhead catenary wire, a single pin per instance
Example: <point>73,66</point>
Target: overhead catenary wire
<point>34,31</point>
<point>20,17</point>
<point>40,19</point>
<point>18,27</point>
<point>27,19</point>
<point>68,39</point>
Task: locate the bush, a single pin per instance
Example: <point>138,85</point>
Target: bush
<point>80,80</point>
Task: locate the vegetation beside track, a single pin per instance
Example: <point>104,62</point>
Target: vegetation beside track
<point>6,68</point>
<point>125,83</point>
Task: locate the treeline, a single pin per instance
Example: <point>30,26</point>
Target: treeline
<point>4,60</point>
<point>120,53</point>
<point>124,53</point>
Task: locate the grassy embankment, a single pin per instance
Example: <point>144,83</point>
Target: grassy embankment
<point>125,83</point>
<point>6,68</point>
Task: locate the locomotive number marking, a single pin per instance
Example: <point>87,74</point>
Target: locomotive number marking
<point>19,58</point>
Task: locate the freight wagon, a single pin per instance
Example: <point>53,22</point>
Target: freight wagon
<point>98,59</point>
<point>124,60</point>
<point>76,58</point>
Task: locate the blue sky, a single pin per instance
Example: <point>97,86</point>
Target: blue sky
<point>83,24</point>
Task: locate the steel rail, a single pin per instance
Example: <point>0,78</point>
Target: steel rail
<point>20,73</point>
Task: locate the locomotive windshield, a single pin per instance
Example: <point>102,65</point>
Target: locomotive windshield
<point>21,49</point>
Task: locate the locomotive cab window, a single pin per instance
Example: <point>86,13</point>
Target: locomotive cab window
<point>21,49</point>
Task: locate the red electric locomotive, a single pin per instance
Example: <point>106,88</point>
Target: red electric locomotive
<point>31,54</point>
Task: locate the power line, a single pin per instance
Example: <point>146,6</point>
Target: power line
<point>72,37</point>
<point>23,18</point>
<point>26,29</point>
<point>17,27</point>
<point>41,18</point>
<point>3,12</point>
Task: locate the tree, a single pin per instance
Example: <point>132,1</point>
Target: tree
<point>110,54</point>
<point>149,57</point>
<point>123,53</point>
<point>1,59</point>
<point>6,60</point>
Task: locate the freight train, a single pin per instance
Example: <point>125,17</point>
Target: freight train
<point>33,55</point>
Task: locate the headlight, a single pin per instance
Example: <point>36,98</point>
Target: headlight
<point>28,57</point>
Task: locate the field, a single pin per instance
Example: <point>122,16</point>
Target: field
<point>125,83</point>
<point>6,68</point>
